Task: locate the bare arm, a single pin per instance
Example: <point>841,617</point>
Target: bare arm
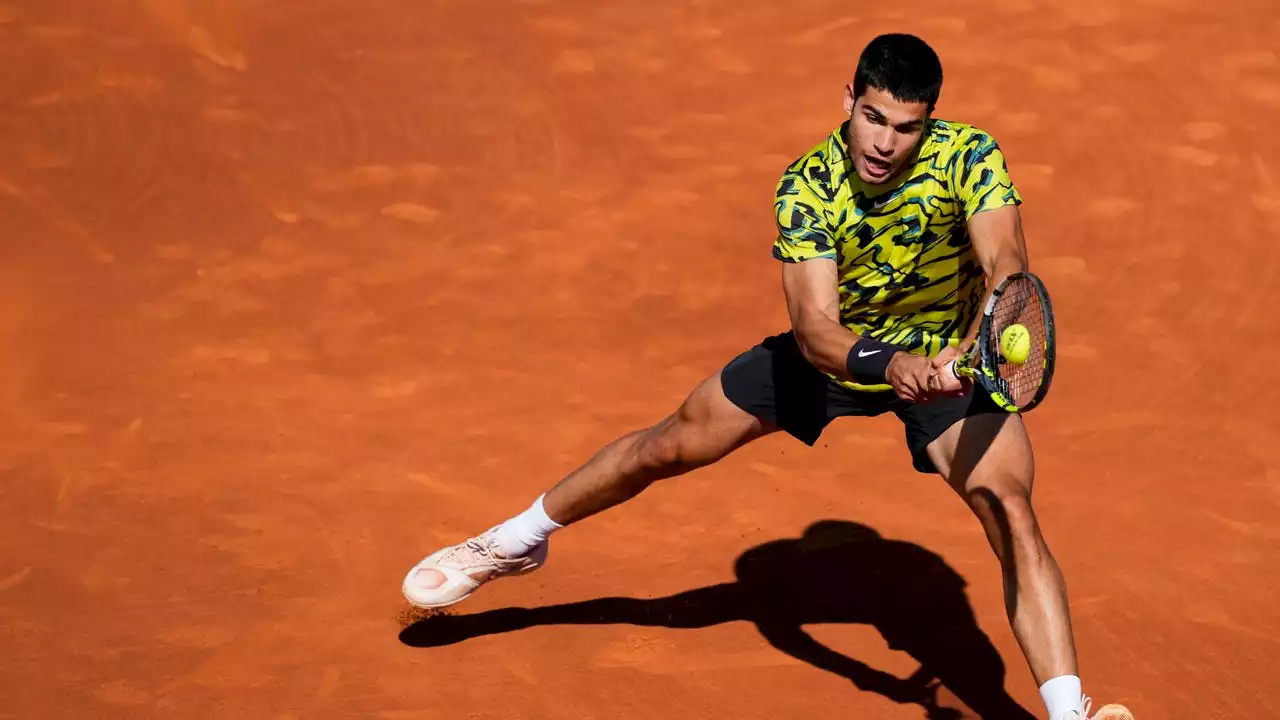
<point>813,301</point>
<point>997,239</point>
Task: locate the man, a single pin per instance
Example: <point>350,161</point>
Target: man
<point>891,232</point>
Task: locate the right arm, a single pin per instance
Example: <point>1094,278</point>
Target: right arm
<point>806,247</point>
<point>813,302</point>
<point>814,306</point>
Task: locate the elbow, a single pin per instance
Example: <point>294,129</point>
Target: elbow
<point>807,346</point>
<point>808,335</point>
<point>1007,263</point>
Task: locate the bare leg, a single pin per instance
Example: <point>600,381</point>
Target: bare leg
<point>705,428</point>
<point>988,460</point>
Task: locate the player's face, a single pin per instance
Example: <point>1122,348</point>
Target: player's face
<point>883,133</point>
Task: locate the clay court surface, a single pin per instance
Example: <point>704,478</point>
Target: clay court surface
<point>294,293</point>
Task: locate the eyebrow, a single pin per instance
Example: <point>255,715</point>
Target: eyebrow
<point>874,111</point>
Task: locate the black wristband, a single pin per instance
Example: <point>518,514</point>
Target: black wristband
<point>868,359</point>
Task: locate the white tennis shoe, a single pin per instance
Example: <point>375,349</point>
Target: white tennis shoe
<point>451,574</point>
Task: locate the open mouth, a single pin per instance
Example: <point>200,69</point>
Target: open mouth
<point>876,167</point>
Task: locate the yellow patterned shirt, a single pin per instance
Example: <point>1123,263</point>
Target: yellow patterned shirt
<point>906,271</point>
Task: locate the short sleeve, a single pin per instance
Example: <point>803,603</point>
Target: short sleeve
<point>803,231</point>
<point>981,176</point>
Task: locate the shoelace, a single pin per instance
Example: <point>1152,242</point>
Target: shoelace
<point>479,546</point>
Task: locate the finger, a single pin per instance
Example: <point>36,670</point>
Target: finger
<point>948,382</point>
<point>927,382</point>
<point>944,383</point>
<point>935,387</point>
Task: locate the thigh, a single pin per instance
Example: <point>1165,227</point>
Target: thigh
<point>926,424</point>
<point>987,451</point>
<point>776,384</point>
<point>706,427</point>
<point>986,459</point>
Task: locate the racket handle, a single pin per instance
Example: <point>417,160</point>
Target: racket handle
<point>961,370</point>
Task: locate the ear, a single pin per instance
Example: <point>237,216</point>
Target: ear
<point>848,99</point>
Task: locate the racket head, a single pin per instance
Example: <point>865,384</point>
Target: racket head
<point>1016,387</point>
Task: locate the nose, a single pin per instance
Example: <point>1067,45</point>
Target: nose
<point>884,141</point>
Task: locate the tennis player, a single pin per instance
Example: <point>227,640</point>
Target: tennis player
<point>891,233</point>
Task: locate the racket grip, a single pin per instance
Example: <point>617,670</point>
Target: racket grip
<point>952,367</point>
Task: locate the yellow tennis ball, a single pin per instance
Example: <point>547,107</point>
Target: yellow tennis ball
<point>1015,344</point>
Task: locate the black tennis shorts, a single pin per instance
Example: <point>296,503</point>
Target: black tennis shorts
<point>774,382</point>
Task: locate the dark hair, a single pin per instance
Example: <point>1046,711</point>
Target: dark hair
<point>903,66</point>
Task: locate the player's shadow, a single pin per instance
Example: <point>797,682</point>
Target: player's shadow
<point>836,572</point>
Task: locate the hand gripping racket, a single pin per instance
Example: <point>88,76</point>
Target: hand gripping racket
<point>1013,355</point>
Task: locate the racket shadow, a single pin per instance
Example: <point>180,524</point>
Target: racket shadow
<point>836,572</point>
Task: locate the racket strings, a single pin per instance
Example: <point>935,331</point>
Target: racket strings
<point>1020,304</point>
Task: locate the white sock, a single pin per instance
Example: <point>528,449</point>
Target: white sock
<point>1062,695</point>
<point>521,534</point>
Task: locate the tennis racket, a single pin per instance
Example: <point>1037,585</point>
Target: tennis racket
<point>992,361</point>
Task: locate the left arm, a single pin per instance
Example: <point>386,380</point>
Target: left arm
<point>995,234</point>
<point>980,176</point>
<point>996,238</point>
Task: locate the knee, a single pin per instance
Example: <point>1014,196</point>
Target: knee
<point>659,453</point>
<point>705,429</point>
<point>1007,515</point>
